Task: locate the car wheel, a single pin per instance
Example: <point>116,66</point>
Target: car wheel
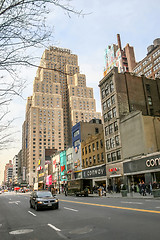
<point>36,207</point>
<point>56,206</point>
<point>31,205</point>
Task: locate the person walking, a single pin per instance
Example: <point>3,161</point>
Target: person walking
<point>143,188</point>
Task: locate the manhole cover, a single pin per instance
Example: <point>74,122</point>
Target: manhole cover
<point>22,231</point>
<point>81,230</point>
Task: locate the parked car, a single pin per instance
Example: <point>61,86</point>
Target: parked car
<point>43,199</point>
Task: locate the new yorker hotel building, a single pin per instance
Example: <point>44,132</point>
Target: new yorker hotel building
<point>60,100</point>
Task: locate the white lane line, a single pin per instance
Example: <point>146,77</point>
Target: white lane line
<point>0,225</point>
<point>55,228</point>
<point>32,213</point>
<point>71,209</point>
<point>16,203</point>
<point>157,207</point>
<point>133,202</point>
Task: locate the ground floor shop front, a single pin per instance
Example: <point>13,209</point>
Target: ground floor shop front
<point>145,169</point>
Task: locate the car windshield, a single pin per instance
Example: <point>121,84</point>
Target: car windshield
<point>44,194</point>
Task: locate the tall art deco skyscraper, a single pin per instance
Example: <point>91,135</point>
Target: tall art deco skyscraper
<point>60,99</point>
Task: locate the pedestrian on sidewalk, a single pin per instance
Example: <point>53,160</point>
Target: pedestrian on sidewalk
<point>143,188</point>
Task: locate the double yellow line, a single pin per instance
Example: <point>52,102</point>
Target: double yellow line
<point>115,207</point>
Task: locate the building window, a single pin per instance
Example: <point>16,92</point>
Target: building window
<point>148,88</point>
<point>108,157</point>
<point>101,143</point>
<point>90,160</point>
<point>86,161</point>
<point>77,142</point>
<point>82,151</point>
<point>93,146</point>
<point>89,148</point>
<point>114,112</point>
<point>96,130</point>
<point>107,144</point>
<point>83,162</point>
<point>117,140</point>
<point>106,131</point>
<point>85,150</point>
<point>98,159</point>
<point>113,156</point>
<point>113,99</point>
<point>76,133</point>
<point>97,145</point>
<point>118,155</point>
<point>115,126</point>
<point>149,100</point>
<point>94,159</point>
<point>102,157</point>
<point>109,115</point>
<point>112,142</point>
<point>110,128</point>
<point>105,117</point>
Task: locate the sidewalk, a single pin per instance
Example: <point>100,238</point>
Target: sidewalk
<point>129,195</point>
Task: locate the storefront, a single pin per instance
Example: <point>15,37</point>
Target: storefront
<point>97,174</point>
<point>145,168</point>
<point>114,176</point>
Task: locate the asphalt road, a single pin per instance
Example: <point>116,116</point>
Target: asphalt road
<point>91,218</point>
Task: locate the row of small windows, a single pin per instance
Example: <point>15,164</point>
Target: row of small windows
<point>109,102</point>
<point>114,156</point>
<point>93,147</point>
<point>156,53</point>
<point>110,114</point>
<point>156,67</point>
<point>148,73</point>
<point>111,128</point>
<point>109,88</point>
<point>148,67</point>
<point>157,60</point>
<point>112,142</point>
<point>92,160</point>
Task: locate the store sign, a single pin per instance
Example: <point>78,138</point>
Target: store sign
<point>142,164</point>
<point>153,162</point>
<point>113,170</point>
<point>94,172</point>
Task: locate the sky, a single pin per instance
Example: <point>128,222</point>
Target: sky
<point>87,36</point>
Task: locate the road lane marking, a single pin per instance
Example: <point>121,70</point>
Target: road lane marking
<point>157,207</point>
<point>133,202</point>
<point>116,207</point>
<point>55,228</point>
<point>22,231</point>
<point>16,202</point>
<point>71,209</point>
<point>32,213</point>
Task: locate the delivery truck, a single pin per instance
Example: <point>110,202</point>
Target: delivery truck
<point>78,187</point>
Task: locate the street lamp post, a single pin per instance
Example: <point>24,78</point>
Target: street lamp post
<point>58,164</point>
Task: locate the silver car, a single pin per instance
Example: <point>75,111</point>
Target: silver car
<point>43,199</point>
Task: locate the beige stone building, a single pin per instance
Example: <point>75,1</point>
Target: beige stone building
<point>150,65</point>
<point>60,99</point>
<point>121,95</point>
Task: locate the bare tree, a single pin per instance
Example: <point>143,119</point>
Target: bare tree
<point>22,27</point>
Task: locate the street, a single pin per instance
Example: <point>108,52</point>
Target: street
<point>87,218</point>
